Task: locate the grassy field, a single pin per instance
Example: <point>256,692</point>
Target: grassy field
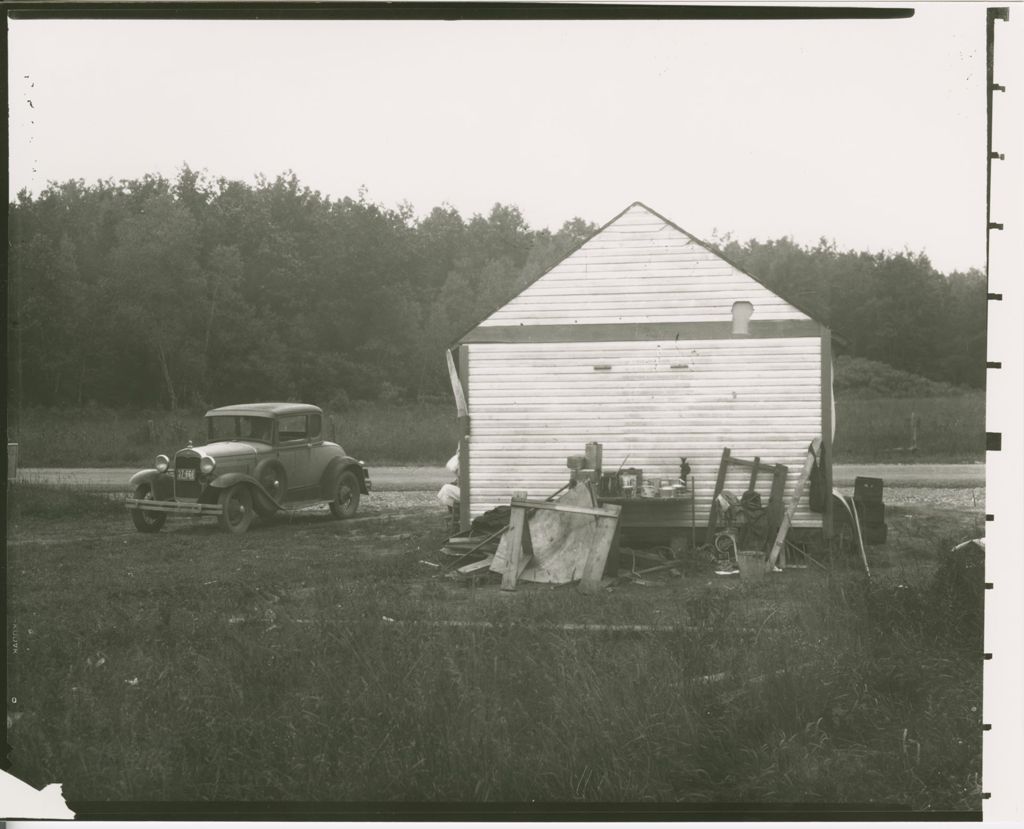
<point>424,433</point>
<point>951,429</point>
<point>316,660</point>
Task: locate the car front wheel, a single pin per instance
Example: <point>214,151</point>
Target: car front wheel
<point>144,520</point>
<point>346,496</point>
<point>236,509</point>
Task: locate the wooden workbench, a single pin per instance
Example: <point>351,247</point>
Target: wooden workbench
<point>676,513</point>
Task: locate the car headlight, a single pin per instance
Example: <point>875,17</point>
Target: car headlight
<point>206,465</point>
<point>162,463</point>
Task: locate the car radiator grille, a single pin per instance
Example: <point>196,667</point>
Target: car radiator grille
<point>187,489</point>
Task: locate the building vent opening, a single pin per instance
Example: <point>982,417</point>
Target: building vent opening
<point>741,313</point>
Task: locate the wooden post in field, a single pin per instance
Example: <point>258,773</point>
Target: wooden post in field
<point>914,420</point>
<point>152,431</point>
<point>334,430</point>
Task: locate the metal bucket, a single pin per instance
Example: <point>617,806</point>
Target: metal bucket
<point>752,564</point>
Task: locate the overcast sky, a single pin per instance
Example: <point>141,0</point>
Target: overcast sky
<point>868,133</point>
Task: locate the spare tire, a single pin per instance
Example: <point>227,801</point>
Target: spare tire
<point>274,480</point>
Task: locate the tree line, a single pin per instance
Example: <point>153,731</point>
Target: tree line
<point>196,292</point>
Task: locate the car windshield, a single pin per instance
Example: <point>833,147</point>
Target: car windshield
<point>235,427</point>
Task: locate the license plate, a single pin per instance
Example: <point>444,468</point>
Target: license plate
<point>185,474</point>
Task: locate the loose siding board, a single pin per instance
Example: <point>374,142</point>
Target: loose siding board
<point>640,269</point>
<point>533,404</point>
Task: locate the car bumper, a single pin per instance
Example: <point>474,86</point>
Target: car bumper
<point>181,507</point>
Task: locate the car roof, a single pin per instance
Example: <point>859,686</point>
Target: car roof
<point>265,409</point>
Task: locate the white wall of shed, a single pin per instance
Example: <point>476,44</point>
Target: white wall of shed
<point>533,404</point>
<point>640,269</point>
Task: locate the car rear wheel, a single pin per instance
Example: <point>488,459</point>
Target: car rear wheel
<point>346,496</point>
<point>236,509</point>
<point>144,520</point>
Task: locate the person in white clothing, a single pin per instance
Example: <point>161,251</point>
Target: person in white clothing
<point>449,494</point>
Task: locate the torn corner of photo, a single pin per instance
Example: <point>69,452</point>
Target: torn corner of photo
<point>20,801</point>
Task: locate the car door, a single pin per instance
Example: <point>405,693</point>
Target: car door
<point>320,455</point>
<point>294,453</point>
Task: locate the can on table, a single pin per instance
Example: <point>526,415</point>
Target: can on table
<point>630,481</point>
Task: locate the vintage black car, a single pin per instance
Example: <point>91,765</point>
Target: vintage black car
<point>259,458</point>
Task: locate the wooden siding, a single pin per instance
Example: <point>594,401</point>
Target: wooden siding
<point>533,404</point>
<point>619,332</point>
<point>640,269</point>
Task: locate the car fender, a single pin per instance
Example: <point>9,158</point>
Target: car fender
<point>229,479</point>
<point>163,486</point>
<point>335,469</point>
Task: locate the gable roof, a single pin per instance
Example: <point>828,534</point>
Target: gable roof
<point>675,278</point>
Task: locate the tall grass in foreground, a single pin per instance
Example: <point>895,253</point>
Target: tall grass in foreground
<point>187,709</point>
<point>177,679</point>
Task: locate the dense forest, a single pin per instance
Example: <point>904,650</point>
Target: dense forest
<point>194,292</point>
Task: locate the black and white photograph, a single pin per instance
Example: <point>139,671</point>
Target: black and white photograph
<point>513,411</point>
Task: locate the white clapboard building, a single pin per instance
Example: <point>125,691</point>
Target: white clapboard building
<point>647,341</point>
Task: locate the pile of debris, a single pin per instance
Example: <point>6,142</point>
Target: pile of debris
<point>557,540</point>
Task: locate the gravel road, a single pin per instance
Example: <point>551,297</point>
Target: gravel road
<point>420,478</point>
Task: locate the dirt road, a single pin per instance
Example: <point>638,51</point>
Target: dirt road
<point>384,478</point>
<point>420,478</point>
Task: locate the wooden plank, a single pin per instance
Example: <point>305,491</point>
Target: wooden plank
<point>776,506</point>
<point>776,509</point>
<point>457,390</point>
<point>554,506</point>
<point>723,469</point>
<point>798,493</point>
<point>516,532</point>
<point>476,565</point>
<point>753,474</point>
<point>599,332</point>
<point>600,545</point>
